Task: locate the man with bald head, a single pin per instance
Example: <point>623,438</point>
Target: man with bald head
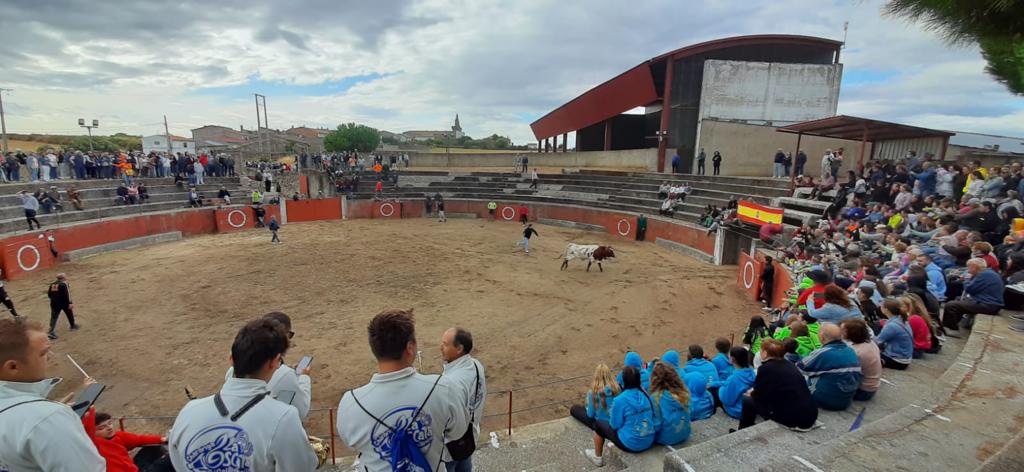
<point>832,371</point>
<point>466,374</point>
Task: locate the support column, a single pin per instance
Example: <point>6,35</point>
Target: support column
<point>608,135</point>
<point>666,105</point>
<point>547,144</point>
<point>792,174</point>
<point>863,145</point>
<point>577,146</point>
<point>554,147</point>
<point>565,142</point>
<point>942,153</point>
<point>540,147</point>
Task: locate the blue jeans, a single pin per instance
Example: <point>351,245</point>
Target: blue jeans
<point>465,465</point>
<point>35,174</point>
<point>778,170</point>
<point>526,244</point>
<point>799,170</point>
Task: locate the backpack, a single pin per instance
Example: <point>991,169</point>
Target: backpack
<point>403,454</point>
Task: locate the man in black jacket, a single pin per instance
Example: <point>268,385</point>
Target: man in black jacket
<point>60,300</point>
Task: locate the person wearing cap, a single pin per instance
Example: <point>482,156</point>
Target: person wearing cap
<point>60,300</point>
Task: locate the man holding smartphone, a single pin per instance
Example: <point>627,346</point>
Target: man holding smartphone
<point>287,379</point>
<point>39,435</point>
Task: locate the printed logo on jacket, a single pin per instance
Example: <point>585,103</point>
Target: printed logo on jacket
<point>419,431</point>
<point>219,448</point>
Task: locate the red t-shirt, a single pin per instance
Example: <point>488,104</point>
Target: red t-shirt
<point>115,450</point>
<point>819,301</point>
<point>524,211</point>
<point>991,262</point>
<point>380,186</point>
<point>922,335</point>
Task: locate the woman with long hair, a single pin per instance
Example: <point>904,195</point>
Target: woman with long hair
<point>603,389</point>
<point>896,338</point>
<point>632,425</point>
<point>837,307</point>
<point>671,401</point>
<point>922,325</point>
<point>756,331</point>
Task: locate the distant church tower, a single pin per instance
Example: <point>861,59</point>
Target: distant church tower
<point>457,128</point>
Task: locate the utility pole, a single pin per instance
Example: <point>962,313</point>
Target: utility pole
<point>95,124</point>
<point>167,133</point>
<point>3,122</point>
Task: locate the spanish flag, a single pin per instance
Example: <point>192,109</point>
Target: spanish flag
<point>758,214</point>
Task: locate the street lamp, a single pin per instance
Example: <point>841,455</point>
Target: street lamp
<point>95,124</point>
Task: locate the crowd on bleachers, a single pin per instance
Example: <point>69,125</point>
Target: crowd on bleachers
<point>20,166</point>
<point>400,420</point>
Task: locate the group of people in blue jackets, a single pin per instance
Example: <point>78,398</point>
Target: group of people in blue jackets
<point>654,403</point>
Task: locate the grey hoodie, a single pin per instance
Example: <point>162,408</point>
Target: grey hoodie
<point>393,398</point>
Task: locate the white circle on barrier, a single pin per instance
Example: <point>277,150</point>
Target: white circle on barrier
<point>244,218</point>
<point>618,227</point>
<point>508,218</point>
<point>748,280</point>
<point>391,210</point>
<point>21,263</point>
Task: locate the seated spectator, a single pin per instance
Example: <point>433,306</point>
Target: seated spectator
<point>133,195</point>
<point>837,307</point>
<point>896,339</point>
<point>856,332</point>
<point>603,390</point>
<point>224,194</point>
<point>695,362</point>
<point>122,195</point>
<point>115,446</point>
<point>38,435</point>
<point>800,332</point>
<point>663,190</point>
<point>984,294</point>
<point>833,371</point>
<point>922,326</point>
<point>780,392</point>
<point>702,403</point>
<point>633,359</point>
<point>936,279</point>
<point>917,284</point>
<point>666,208</point>
<point>730,393</point>
<point>721,360</point>
<point>671,358</point>
<point>74,198</point>
<point>868,308</point>
<point>143,193</point>
<point>671,405</point>
<point>757,330</point>
<point>194,199</point>
<point>52,200</point>
<point>265,434</point>
<point>792,347</point>
<point>633,424</point>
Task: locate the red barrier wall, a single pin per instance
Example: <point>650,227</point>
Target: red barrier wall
<point>240,219</point>
<point>748,278</point>
<point>387,210</point>
<point>304,185</point>
<point>783,282</point>
<point>26,253</point>
<point>313,210</point>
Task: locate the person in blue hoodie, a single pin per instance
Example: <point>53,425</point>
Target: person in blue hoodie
<point>730,392</point>
<point>671,405</point>
<point>721,360</point>
<point>832,371</point>
<point>603,390</point>
<point>936,278</point>
<point>702,404</point>
<point>695,362</point>
<point>671,358</point>
<point>633,359</point>
<point>633,424</point>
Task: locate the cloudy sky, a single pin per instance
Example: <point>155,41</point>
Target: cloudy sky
<point>404,64</point>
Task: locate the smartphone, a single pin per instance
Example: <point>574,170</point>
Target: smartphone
<point>303,364</point>
<point>285,396</point>
<point>87,398</point>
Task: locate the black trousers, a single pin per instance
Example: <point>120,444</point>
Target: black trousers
<point>55,315</point>
<point>6,300</point>
<point>534,184</point>
<point>700,168</point>
<point>601,427</point>
<point>153,459</point>
<point>955,311</point>
<point>30,216</point>
<point>748,416</point>
<point>718,168</point>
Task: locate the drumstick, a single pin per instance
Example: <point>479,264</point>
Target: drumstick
<point>80,369</point>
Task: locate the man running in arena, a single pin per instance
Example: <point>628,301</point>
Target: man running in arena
<point>60,300</point>
<point>527,234</point>
<point>5,298</point>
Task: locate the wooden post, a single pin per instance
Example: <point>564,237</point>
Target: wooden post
<point>510,413</point>
<point>792,175</point>
<point>666,106</point>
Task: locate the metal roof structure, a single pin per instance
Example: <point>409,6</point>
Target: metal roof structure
<point>861,129</point>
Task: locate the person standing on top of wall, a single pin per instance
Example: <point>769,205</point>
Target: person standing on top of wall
<point>700,162</point>
<point>676,161</point>
<point>716,163</point>
<point>526,163</point>
<point>524,214</point>
<point>780,157</point>
<point>800,162</point>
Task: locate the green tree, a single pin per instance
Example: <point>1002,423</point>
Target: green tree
<point>996,26</point>
<point>352,137</point>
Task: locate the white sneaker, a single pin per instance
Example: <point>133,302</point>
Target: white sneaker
<point>596,459</point>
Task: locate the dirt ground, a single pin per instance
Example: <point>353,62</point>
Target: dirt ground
<point>158,318</point>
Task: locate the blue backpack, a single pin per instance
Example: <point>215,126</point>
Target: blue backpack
<point>403,453</point>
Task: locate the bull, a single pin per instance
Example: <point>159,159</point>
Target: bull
<point>591,252</point>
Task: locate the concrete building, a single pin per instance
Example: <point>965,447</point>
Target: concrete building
<point>214,135</point>
<point>158,143</point>
<point>761,79</point>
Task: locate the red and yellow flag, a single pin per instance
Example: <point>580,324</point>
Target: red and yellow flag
<point>758,214</point>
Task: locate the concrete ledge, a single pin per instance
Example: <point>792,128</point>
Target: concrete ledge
<point>572,224</point>
<point>689,251</point>
<point>80,254</point>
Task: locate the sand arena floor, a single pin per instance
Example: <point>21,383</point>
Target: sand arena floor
<point>158,318</point>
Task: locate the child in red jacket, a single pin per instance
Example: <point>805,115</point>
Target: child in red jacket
<point>115,445</point>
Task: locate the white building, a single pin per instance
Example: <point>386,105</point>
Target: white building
<point>158,143</point>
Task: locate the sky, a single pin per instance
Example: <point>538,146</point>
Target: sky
<point>409,64</point>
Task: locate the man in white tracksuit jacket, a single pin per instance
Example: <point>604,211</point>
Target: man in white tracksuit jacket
<point>467,374</point>
<point>285,379</point>
<point>393,396</point>
<point>37,434</point>
<point>252,433</point>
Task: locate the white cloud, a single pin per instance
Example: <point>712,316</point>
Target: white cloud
<point>492,62</point>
